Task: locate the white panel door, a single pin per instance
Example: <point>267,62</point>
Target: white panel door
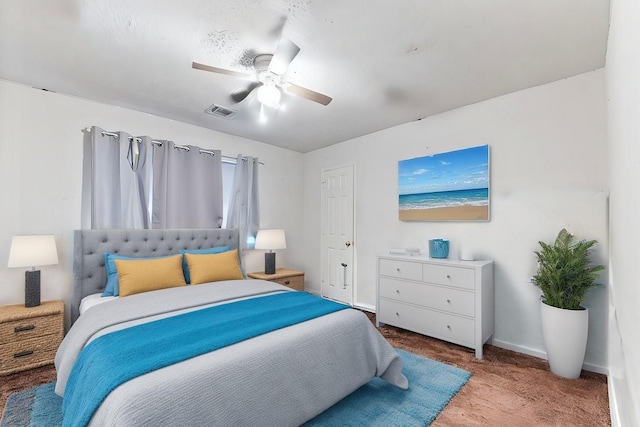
<point>337,234</point>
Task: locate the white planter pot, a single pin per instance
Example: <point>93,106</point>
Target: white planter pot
<point>565,337</point>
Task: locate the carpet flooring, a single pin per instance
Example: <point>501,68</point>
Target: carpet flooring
<point>506,388</point>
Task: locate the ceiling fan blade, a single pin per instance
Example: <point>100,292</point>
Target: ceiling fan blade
<point>308,94</point>
<point>240,94</point>
<point>204,67</point>
<point>284,54</point>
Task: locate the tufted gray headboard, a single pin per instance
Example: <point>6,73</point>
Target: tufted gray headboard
<point>89,274</point>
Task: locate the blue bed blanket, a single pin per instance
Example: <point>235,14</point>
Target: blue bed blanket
<point>111,360</point>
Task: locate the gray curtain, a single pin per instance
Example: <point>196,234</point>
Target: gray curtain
<point>116,180</point>
<point>187,187</point>
<point>244,206</point>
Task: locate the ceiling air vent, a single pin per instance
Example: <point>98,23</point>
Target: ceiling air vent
<point>220,111</point>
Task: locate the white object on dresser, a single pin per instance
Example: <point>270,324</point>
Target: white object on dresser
<point>446,299</point>
<point>466,254</point>
<point>405,251</point>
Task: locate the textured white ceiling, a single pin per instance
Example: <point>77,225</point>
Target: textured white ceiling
<point>384,63</point>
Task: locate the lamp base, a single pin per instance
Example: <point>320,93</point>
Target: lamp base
<point>270,263</point>
<point>32,288</point>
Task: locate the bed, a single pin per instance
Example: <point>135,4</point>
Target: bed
<point>281,376</point>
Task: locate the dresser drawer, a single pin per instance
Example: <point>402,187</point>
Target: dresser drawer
<point>459,277</point>
<point>17,330</point>
<point>446,299</point>
<point>28,353</point>
<point>401,269</point>
<point>295,282</point>
<point>459,330</point>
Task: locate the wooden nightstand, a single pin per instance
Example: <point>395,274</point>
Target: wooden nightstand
<point>285,276</point>
<point>29,337</point>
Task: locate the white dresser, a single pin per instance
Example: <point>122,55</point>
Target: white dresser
<point>446,299</point>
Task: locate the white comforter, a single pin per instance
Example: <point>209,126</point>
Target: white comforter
<point>281,378</point>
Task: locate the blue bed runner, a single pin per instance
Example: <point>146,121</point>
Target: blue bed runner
<point>117,357</point>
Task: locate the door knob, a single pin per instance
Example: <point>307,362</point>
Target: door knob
<point>347,243</point>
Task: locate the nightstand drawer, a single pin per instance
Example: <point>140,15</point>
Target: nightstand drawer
<point>30,336</point>
<point>28,353</point>
<point>23,329</point>
<point>283,276</point>
<point>295,282</point>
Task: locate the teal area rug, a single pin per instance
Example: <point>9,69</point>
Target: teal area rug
<point>36,407</point>
<point>431,386</point>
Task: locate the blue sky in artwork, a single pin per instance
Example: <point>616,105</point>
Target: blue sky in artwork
<point>456,170</point>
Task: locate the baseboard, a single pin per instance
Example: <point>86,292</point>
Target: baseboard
<point>519,348</point>
<point>365,307</point>
<point>623,408</point>
<point>543,355</point>
<point>614,411</point>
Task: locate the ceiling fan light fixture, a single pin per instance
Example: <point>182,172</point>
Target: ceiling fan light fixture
<point>269,95</point>
<point>270,81</point>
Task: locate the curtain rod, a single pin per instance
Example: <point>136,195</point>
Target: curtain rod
<point>176,146</point>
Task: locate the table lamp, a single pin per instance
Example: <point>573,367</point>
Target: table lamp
<point>270,240</point>
<point>32,251</point>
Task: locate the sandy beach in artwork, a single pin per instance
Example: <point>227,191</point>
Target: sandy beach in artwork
<point>455,213</point>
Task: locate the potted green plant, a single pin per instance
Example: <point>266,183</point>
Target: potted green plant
<point>565,274</point>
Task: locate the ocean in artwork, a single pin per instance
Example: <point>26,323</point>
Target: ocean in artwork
<point>444,199</point>
<point>445,186</point>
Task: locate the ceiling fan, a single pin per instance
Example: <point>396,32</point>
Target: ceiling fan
<point>269,81</point>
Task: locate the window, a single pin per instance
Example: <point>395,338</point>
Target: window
<point>228,171</point>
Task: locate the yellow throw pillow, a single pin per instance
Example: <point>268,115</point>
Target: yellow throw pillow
<point>136,276</point>
<point>205,268</point>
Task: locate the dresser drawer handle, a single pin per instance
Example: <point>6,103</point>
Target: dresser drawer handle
<point>448,301</point>
<point>24,328</point>
<point>448,276</point>
<point>286,282</point>
<point>23,354</point>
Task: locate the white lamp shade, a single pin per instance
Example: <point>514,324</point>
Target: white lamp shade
<point>32,251</point>
<point>270,239</point>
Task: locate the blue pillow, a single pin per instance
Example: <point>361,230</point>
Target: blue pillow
<point>113,284</point>
<point>214,250</point>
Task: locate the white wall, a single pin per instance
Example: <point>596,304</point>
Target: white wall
<point>41,167</point>
<point>623,90</point>
<point>548,171</point>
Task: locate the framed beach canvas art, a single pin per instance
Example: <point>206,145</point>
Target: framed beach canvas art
<point>452,186</point>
